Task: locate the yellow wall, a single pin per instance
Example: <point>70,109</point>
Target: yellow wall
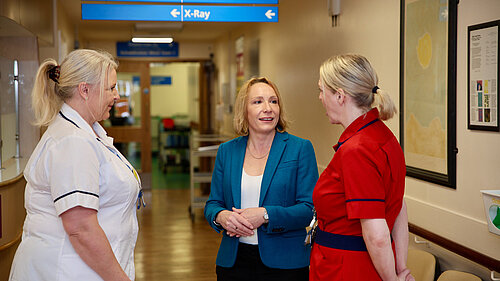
<point>291,52</point>
<point>178,98</point>
<point>65,32</point>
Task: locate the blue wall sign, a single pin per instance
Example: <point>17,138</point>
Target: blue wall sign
<point>129,49</point>
<point>155,80</point>
<point>179,13</point>
<point>161,80</point>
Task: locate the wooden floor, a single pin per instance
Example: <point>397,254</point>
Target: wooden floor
<point>171,246</point>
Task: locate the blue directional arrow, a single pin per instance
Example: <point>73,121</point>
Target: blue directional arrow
<point>180,13</point>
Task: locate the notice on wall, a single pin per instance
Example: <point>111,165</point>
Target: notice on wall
<point>483,77</point>
<point>240,63</point>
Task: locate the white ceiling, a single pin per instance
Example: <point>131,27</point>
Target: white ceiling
<point>123,30</point>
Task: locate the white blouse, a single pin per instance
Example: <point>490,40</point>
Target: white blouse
<point>250,194</point>
<point>72,167</point>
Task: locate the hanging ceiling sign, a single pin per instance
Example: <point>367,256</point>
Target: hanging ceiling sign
<point>184,13</point>
<point>205,1</point>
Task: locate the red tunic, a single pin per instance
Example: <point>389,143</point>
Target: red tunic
<point>364,180</point>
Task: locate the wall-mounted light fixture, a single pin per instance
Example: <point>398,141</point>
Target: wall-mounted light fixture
<point>334,10</point>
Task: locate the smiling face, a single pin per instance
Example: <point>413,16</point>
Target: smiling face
<point>330,102</point>
<point>101,107</point>
<point>263,110</point>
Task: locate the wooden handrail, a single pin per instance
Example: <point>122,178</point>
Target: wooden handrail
<point>11,181</point>
<point>9,244</point>
<point>486,261</point>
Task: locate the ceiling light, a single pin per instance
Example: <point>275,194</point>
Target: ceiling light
<point>152,40</point>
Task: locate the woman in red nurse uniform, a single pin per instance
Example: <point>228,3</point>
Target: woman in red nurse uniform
<point>362,231</point>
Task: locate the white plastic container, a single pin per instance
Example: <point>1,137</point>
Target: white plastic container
<point>491,200</point>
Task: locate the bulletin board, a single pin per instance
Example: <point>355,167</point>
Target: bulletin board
<point>483,68</point>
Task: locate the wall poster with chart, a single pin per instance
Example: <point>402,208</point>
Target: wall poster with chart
<point>483,62</point>
<point>428,89</point>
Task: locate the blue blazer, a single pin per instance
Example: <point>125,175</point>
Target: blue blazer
<point>286,192</point>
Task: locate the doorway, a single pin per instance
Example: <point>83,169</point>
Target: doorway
<point>153,96</point>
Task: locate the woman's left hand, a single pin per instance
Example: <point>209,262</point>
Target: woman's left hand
<point>254,215</point>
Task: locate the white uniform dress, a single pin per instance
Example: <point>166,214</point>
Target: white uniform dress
<point>71,167</point>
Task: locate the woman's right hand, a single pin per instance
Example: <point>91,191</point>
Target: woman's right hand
<point>405,275</point>
<point>234,224</point>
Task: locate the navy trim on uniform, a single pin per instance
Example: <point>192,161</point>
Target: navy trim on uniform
<point>68,119</point>
<point>339,241</point>
<point>340,143</point>
<point>378,200</point>
<point>75,191</point>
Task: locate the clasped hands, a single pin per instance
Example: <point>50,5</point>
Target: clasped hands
<point>241,222</point>
<point>405,275</point>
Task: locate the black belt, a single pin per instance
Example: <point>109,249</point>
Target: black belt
<point>339,241</point>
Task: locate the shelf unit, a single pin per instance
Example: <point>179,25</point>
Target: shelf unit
<point>173,147</point>
<point>201,177</point>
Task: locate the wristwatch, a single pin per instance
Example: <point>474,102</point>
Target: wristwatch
<point>266,217</point>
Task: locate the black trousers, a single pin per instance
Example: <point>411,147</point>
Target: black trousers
<point>249,266</point>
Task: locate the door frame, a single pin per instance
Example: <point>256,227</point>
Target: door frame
<point>142,133</point>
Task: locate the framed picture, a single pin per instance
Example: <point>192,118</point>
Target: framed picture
<point>428,89</point>
<point>484,65</point>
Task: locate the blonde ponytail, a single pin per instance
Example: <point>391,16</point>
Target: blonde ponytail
<point>83,65</point>
<point>354,74</point>
<point>45,102</point>
<point>386,106</point>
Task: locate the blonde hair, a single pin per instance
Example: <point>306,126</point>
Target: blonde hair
<point>82,65</point>
<point>240,121</point>
<point>356,77</point>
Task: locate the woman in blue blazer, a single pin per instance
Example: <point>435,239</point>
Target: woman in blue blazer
<point>261,192</point>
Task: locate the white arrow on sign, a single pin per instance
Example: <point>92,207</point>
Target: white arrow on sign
<point>175,13</point>
<point>270,14</point>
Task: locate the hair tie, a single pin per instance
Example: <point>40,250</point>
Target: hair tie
<point>374,90</point>
<point>54,73</point>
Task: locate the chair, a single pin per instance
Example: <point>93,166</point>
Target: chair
<point>422,265</point>
<point>453,275</point>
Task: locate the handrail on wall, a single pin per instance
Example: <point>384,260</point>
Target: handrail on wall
<point>10,243</point>
<point>486,261</point>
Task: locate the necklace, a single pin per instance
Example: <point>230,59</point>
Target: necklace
<point>251,154</point>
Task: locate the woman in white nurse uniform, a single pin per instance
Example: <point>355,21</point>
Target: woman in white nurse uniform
<point>81,193</point>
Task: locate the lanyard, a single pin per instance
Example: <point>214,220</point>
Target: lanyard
<point>311,234</point>
<point>140,198</point>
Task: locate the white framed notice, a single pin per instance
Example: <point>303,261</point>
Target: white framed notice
<point>483,61</point>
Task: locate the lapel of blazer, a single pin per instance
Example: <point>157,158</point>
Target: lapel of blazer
<point>237,158</point>
<point>277,148</point>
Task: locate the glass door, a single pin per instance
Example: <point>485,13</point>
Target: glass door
<point>129,123</point>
